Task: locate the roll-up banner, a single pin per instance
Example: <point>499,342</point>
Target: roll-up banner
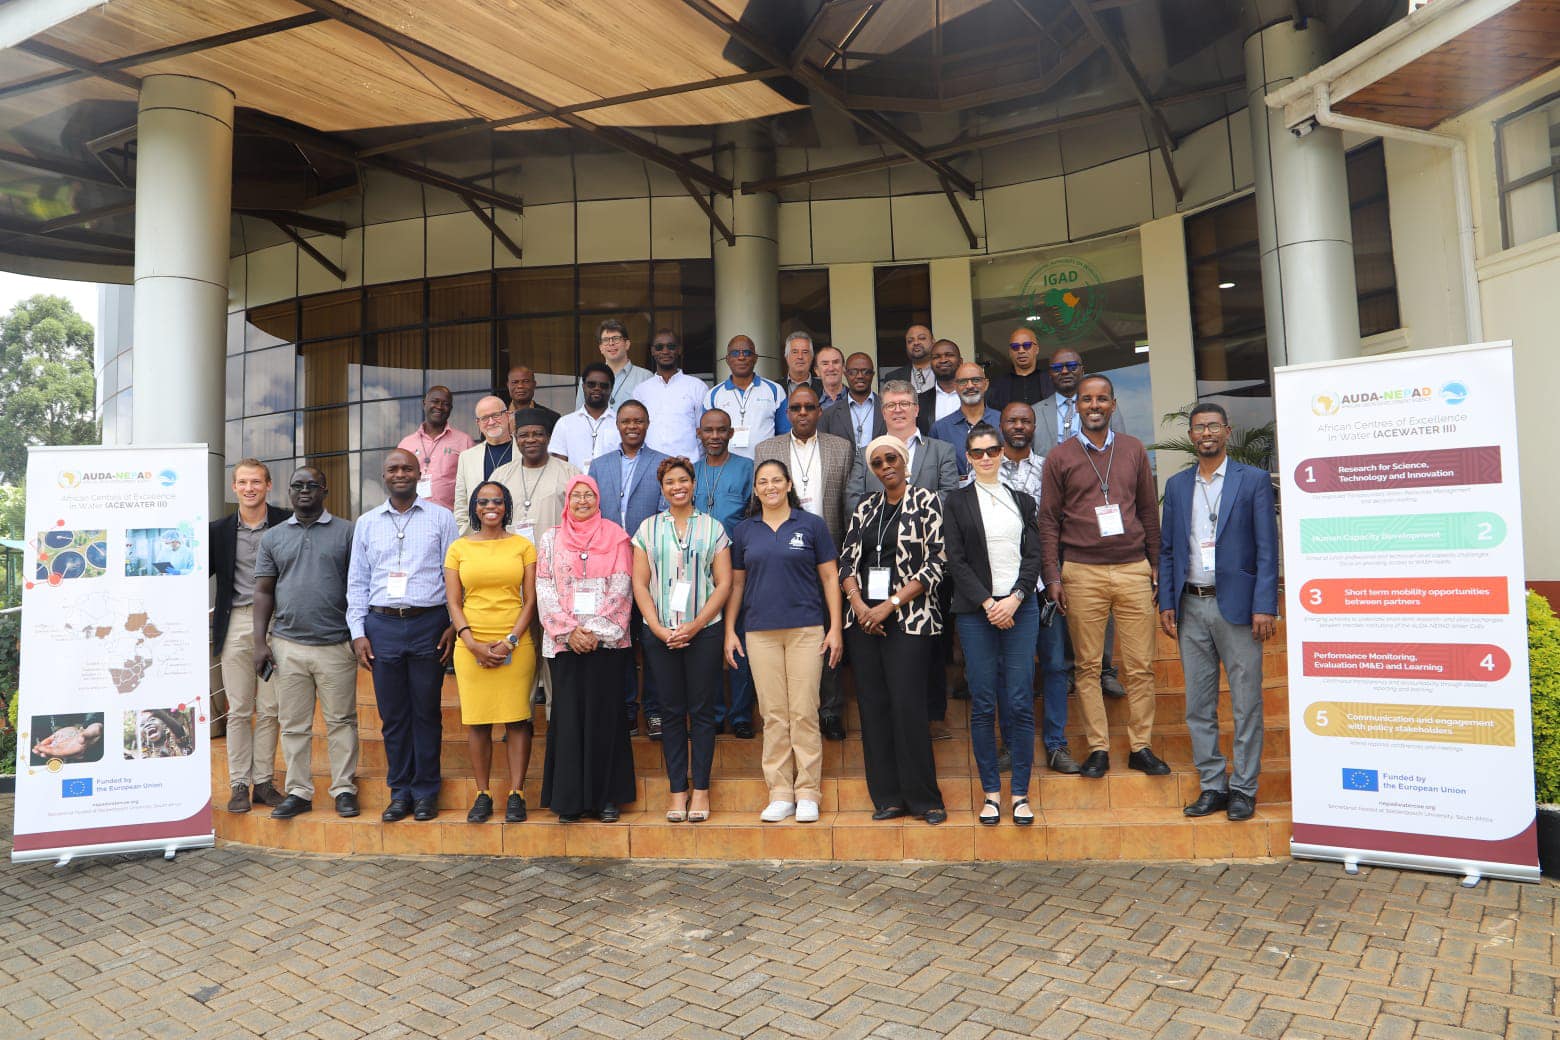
<point>1411,740</point>
<point>113,752</point>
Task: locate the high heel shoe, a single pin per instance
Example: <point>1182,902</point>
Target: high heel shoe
<point>676,814</point>
<point>699,815</point>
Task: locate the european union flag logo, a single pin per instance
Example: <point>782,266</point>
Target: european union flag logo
<point>1361,780</point>
<point>76,787</point>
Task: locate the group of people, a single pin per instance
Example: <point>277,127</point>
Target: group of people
<point>745,541</point>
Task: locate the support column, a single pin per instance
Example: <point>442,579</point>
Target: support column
<point>183,206</point>
<point>1167,303</point>
<point>1302,194</point>
<point>747,272</point>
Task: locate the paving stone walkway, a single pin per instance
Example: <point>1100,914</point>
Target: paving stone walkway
<point>234,942</point>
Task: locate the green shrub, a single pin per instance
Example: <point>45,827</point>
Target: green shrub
<point>8,733</point>
<point>1544,664</point>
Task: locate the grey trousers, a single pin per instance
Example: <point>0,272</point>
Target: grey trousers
<point>1207,639</point>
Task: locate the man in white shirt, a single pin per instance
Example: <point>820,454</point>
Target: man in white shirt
<point>612,337</point>
<point>675,400</point>
<point>918,348</point>
<point>591,431</point>
<point>756,405</point>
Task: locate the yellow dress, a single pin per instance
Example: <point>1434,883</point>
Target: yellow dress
<point>492,573</point>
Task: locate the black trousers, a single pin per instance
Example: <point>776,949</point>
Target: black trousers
<point>690,683</point>
<point>408,679</point>
<point>890,691</point>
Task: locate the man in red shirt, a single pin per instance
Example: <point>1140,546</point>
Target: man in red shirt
<point>437,446</point>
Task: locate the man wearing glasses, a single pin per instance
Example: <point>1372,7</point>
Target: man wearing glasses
<point>612,336</point>
<point>1056,416</point>
<point>497,425</point>
<point>1028,382</point>
<point>756,405</point>
<point>589,431</point>
<point>953,428</point>
<point>675,398</point>
<point>856,416</point>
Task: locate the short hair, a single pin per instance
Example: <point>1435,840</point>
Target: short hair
<point>251,463</point>
<point>799,387</point>
<point>611,325</point>
<point>979,430</point>
<point>598,366</point>
<point>898,386</point>
<point>1104,378</point>
<point>440,386</point>
<point>509,505</point>
<point>950,343</point>
<point>637,403</point>
<point>667,332</point>
<point>799,334</point>
<point>829,346</point>
<point>1208,406</point>
<point>713,411</point>
<point>675,462</point>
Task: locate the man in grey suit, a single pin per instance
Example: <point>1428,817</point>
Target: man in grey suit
<point>631,493</point>
<point>856,416</point>
<point>820,465</point>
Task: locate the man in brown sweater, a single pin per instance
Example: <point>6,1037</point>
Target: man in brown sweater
<point>1099,544</point>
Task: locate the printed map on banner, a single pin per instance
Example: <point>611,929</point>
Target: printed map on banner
<point>113,644</point>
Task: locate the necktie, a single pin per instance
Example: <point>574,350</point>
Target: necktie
<point>1067,418</point>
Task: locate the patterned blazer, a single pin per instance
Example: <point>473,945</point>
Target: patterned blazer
<point>837,456</point>
<point>918,554</point>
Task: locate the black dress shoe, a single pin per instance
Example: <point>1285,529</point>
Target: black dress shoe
<point>831,727</point>
<point>609,813</point>
<point>398,809</point>
<point>1208,803</point>
<point>893,812</point>
<point>960,692</point>
<point>572,817</point>
<point>291,806</point>
<point>935,816</point>
<point>653,726</point>
<point>346,805</point>
<point>1096,765</point>
<point>1242,806</point>
<point>425,809</point>
<point>1144,760</point>
<point>1110,684</point>
<point>742,730</point>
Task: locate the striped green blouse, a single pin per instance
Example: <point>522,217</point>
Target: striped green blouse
<point>672,562</point>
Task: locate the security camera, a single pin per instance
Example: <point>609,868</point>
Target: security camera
<point>1303,128</point>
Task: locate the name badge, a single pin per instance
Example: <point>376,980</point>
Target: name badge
<point>808,504</point>
<point>396,586</point>
<point>1206,548</point>
<point>1109,518</point>
<point>525,529</point>
<point>739,437</point>
<point>425,487</point>
<point>877,583</point>
<point>681,592</point>
<point>587,594</point>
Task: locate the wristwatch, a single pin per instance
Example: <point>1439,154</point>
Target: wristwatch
<point>1019,592</point>
<point>896,601</point>
<point>513,640</point>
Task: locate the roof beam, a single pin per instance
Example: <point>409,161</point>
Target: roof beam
<point>27,18</point>
<point>1118,55</point>
<point>205,43</point>
<point>492,225</point>
<point>619,138</point>
<point>313,252</point>
<point>322,225</point>
<point>63,167</point>
<point>991,140</point>
<point>709,211</point>
<point>86,216</point>
<point>93,239</point>
<point>958,211</point>
<point>822,88</point>
<point>79,64</point>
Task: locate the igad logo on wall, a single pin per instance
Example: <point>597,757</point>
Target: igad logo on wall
<point>1064,298</point>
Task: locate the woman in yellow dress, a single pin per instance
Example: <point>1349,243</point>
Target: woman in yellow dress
<point>490,576</point>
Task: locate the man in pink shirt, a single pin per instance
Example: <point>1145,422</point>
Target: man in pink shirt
<point>437,446</point>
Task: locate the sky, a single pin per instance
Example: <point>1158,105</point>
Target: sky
<point>17,287</point>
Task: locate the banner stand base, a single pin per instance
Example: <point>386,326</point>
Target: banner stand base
<point>63,857</point>
<point>1472,872</point>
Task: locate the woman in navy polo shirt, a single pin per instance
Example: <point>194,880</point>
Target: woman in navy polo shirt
<point>785,572</point>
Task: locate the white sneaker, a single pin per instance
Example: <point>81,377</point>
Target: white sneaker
<point>806,812</point>
<point>777,811</point>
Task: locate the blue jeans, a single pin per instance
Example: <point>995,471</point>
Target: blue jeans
<point>1054,671</point>
<point>1000,668</point>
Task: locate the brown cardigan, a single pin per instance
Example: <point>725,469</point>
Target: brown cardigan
<point>1070,491</point>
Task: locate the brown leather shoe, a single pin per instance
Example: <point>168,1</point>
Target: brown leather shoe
<point>239,803</point>
<point>938,730</point>
<point>267,794</point>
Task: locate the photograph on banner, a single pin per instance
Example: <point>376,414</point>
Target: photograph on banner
<point>160,551</point>
<point>66,739</point>
<point>160,733</point>
<point>66,555</point>
<point>1410,737</point>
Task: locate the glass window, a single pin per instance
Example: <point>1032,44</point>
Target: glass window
<point>235,389</point>
<point>271,325</point>
<point>268,380</point>
<point>393,364</point>
<point>324,370</point>
<point>267,437</point>
<point>683,283</point>
<point>461,298</point>
<point>338,479</point>
<point>394,306</point>
<point>461,356</point>
<point>386,422</point>
<point>903,297</point>
<point>615,287</point>
<point>536,290</point>
<point>1527,157</point>
<point>235,333</point>
<point>324,430</point>
<point>1375,276</point>
<point>804,304</point>
<point>547,345</point>
<point>332,314</point>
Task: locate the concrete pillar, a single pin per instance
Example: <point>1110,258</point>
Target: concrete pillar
<point>853,309</point>
<point>183,206</point>
<point>1167,302</point>
<point>953,303</point>
<point>747,272</point>
<point>1302,194</point>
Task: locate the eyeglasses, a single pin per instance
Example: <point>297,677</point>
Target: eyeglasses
<point>803,407</point>
<point>1023,344</point>
<point>1207,427</point>
<point>305,485</point>
<point>1066,366</point>
<point>897,406</point>
<point>984,453</point>
<point>481,502</point>
<point>969,381</point>
<point>597,384</point>
<point>614,339</point>
<point>484,420</point>
<point>741,353</point>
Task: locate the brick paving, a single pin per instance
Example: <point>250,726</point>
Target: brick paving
<point>239,942</point>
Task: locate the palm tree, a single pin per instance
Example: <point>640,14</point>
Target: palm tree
<point>1252,446</point>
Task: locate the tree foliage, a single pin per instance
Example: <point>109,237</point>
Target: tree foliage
<point>47,392</point>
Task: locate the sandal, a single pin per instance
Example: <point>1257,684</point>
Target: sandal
<point>698,815</point>
<point>1022,821</point>
<point>994,818</point>
<point>678,815</point>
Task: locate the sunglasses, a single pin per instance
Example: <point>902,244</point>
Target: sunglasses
<point>309,485</point>
<point>984,453</point>
<point>1023,344</point>
<point>741,353</point>
<point>803,407</point>
<point>888,458</point>
<point>663,346</point>
<point>1066,366</point>
<point>482,502</point>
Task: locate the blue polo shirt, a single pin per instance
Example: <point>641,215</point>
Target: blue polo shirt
<point>782,588</point>
<point>953,428</point>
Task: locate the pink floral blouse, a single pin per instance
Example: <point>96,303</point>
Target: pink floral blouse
<point>555,600</point>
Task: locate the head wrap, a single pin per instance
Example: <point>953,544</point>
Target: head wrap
<point>586,548</point>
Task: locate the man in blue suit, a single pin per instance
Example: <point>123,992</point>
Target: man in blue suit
<point>1218,596</point>
<point>630,494</point>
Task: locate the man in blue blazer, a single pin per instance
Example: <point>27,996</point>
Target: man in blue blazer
<point>630,494</point>
<point>1218,596</point>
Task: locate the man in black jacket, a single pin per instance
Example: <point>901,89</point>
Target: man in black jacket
<point>234,541</point>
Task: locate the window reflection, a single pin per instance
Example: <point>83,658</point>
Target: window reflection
<point>268,380</point>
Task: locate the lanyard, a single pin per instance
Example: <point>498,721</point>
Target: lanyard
<point>525,492</point>
<point>1088,453</point>
<point>885,517</point>
<point>508,453</point>
<point>804,467</point>
<point>1212,507</point>
<point>713,490</point>
<point>400,530</point>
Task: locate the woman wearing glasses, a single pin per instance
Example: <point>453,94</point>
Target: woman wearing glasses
<point>490,584</point>
<point>682,576</point>
<point>890,565</point>
<point>785,570</point>
<point>993,541</point>
<point>583,589</point>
